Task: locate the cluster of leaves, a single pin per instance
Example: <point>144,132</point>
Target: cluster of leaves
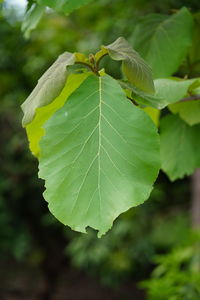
<point>98,153</point>
<point>177,275</point>
<point>94,129</point>
<point>20,190</point>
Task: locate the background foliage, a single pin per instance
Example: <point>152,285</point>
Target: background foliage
<point>30,238</point>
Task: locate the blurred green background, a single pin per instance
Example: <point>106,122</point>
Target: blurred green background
<point>39,257</point>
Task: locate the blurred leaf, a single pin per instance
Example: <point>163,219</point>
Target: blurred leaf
<point>64,6</point>
<point>174,278</point>
<point>164,41</point>
<point>32,18</point>
<point>194,53</point>
<point>48,88</point>
<point>99,171</point>
<point>179,144</point>
<point>134,67</point>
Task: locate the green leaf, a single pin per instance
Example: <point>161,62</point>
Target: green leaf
<point>99,157</point>
<point>172,90</point>
<point>35,129</point>
<point>167,91</point>
<point>189,111</point>
<point>64,6</point>
<point>179,147</point>
<point>153,113</point>
<point>133,66</point>
<point>32,18</point>
<point>48,88</point>
<point>142,97</point>
<point>164,41</point>
<point>194,53</point>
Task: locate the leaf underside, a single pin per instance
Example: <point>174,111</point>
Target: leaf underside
<point>99,157</point>
<point>48,87</point>
<point>134,67</point>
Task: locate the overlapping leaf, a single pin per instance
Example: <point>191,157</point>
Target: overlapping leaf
<point>164,41</point>
<point>172,90</point>
<point>134,67</point>
<point>180,146</point>
<point>167,91</point>
<point>154,114</point>
<point>48,87</point>
<point>99,156</point>
<point>189,111</point>
<point>35,129</point>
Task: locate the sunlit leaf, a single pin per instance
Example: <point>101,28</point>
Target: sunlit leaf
<point>35,129</point>
<point>99,156</point>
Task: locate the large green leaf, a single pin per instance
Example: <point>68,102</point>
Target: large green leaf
<point>48,87</point>
<point>180,144</point>
<point>134,67</point>
<point>164,41</point>
<point>64,6</point>
<point>99,156</point>
<point>35,129</point>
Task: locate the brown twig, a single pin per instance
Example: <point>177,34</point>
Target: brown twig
<point>98,61</point>
<point>190,98</point>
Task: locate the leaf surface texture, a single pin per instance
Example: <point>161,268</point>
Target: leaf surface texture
<point>99,157</point>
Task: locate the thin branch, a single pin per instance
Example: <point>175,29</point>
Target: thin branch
<point>85,64</point>
<point>98,62</point>
<point>190,98</point>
